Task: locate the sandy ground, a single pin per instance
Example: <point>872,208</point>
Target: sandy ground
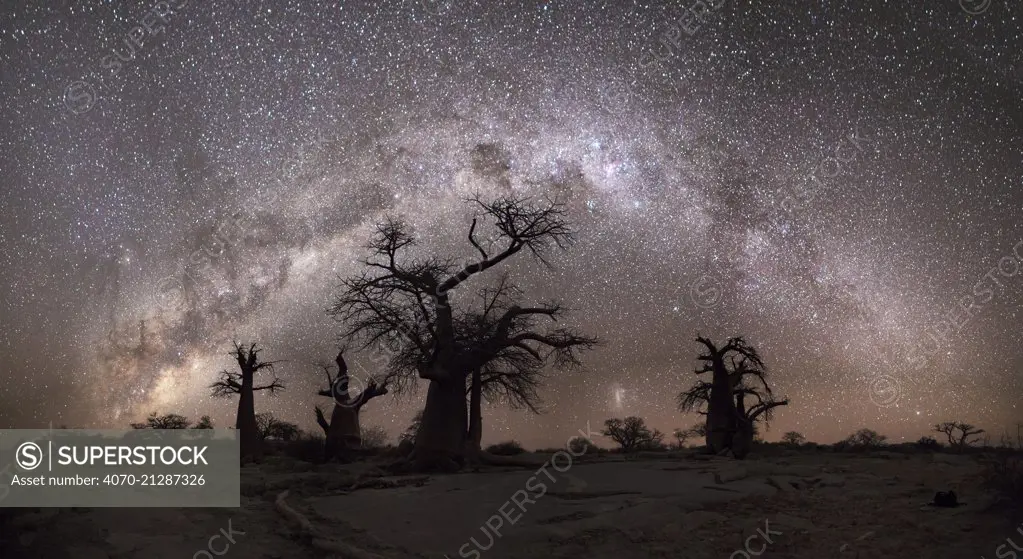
<point>669,505</point>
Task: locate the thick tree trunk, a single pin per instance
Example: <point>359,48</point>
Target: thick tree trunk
<point>245,423</point>
<point>345,432</point>
<point>742,442</point>
<point>721,415</point>
<point>441,438</point>
<point>474,440</point>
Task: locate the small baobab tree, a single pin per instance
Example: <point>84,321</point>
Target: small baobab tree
<point>736,398</point>
<point>407,301</point>
<point>344,432</point>
<point>243,383</point>
<point>960,435</point>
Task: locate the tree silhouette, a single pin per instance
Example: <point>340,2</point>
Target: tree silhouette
<point>343,431</point>
<point>793,438</point>
<point>168,421</point>
<point>243,384</point>
<point>272,428</point>
<point>630,433</point>
<point>510,371</point>
<point>699,430</point>
<point>960,435</point>
<point>204,423</point>
<point>407,301</point>
<point>864,439</point>
<point>681,436</point>
<point>738,374</point>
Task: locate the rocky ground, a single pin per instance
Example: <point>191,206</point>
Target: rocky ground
<point>678,505</point>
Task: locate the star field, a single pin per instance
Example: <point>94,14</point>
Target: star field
<point>839,182</point>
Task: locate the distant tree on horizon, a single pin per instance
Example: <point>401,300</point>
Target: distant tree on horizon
<point>928,443</point>
<point>272,428</point>
<point>168,421</point>
<point>681,436</point>
<point>631,433</point>
<point>864,438</point>
<point>793,438</point>
<point>204,423</point>
<point>960,435</point>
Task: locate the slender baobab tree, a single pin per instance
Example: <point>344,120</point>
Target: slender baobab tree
<point>343,431</point>
<point>411,297</point>
<point>243,384</point>
<point>509,371</point>
<point>737,396</point>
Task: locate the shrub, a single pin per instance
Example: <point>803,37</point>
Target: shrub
<point>305,447</point>
<point>1004,474</point>
<point>928,443</point>
<point>413,428</point>
<point>582,445</point>
<point>507,448</point>
<point>374,437</point>
<point>272,428</point>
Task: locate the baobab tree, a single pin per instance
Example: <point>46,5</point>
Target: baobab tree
<point>344,432</point>
<point>243,384</point>
<point>408,301</point>
<point>960,435</point>
<point>738,373</point>
<point>511,372</point>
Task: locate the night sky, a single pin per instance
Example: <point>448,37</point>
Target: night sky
<point>840,182</point>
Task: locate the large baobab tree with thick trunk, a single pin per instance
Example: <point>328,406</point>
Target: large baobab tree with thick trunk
<point>243,384</point>
<point>408,298</point>
<point>344,431</point>
<point>738,373</point>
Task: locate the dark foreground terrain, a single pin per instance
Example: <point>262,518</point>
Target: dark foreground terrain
<point>677,505</point>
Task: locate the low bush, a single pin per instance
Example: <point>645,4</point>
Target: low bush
<point>507,448</point>
<point>928,443</point>
<point>1003,473</point>
<point>582,445</point>
<point>306,447</point>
